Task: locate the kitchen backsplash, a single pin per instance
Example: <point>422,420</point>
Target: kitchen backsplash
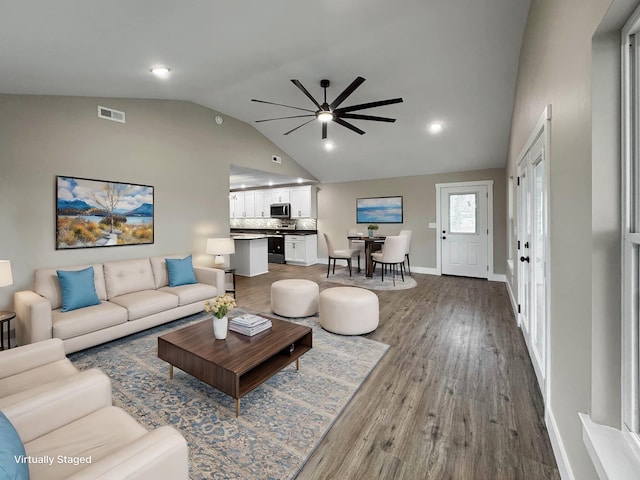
<point>273,223</point>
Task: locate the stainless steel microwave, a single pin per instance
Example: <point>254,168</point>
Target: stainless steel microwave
<point>280,210</point>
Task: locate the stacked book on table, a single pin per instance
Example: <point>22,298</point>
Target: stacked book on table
<point>249,324</point>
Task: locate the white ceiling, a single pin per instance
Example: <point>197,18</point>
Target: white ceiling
<point>451,60</point>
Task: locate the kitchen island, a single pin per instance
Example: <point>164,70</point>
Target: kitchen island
<point>251,255</point>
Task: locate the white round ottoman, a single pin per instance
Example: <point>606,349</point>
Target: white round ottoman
<point>349,310</point>
<point>294,298</point>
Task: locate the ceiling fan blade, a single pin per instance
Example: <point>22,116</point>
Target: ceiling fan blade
<point>346,92</point>
<point>324,131</point>
<point>281,105</point>
<point>304,90</point>
<point>293,130</point>
<point>367,117</point>
<point>364,106</point>
<point>349,126</point>
<point>282,118</point>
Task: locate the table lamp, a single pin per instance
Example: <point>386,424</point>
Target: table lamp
<point>220,247</point>
<point>5,273</point>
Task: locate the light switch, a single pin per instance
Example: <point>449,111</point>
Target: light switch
<point>432,225</point>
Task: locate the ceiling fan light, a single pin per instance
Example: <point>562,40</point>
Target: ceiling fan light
<point>325,117</point>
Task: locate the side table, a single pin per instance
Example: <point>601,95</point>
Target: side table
<point>232,290</point>
<point>5,318</point>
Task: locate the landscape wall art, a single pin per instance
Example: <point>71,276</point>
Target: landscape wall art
<point>379,210</point>
<point>98,213</point>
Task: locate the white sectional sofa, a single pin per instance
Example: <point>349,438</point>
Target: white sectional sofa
<point>134,295</point>
<point>67,425</point>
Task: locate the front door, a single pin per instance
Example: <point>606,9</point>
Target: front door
<point>464,230</point>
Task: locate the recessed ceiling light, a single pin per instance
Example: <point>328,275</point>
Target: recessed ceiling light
<point>328,146</point>
<point>271,183</point>
<point>300,180</point>
<point>161,72</point>
<point>243,186</point>
<point>436,127</point>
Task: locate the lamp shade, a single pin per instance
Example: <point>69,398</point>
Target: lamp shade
<point>221,246</point>
<point>5,273</point>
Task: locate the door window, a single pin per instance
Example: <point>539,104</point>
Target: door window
<point>463,216</point>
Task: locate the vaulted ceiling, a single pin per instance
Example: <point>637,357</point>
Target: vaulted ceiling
<point>452,61</point>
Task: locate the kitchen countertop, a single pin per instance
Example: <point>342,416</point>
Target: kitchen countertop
<point>270,231</point>
<point>247,236</point>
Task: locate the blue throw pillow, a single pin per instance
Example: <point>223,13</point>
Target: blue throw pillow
<point>180,271</point>
<point>78,289</point>
<point>13,461</point>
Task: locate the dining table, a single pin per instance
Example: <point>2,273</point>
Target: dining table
<point>371,244</point>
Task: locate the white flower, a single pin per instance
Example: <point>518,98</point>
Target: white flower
<point>220,305</point>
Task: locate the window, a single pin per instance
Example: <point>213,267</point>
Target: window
<point>631,227</point>
<point>463,213</point>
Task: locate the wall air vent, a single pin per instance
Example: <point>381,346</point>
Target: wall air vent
<point>111,114</point>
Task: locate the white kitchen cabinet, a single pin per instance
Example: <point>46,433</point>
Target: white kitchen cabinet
<point>256,203</point>
<point>249,204</point>
<point>303,201</point>
<point>301,249</point>
<point>242,204</point>
<point>280,195</point>
<point>236,205</point>
<point>262,203</point>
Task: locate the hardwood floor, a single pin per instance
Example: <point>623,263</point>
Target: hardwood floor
<point>455,397</point>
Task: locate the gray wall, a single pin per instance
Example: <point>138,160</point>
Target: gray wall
<point>174,146</point>
<point>337,211</point>
<point>555,68</point>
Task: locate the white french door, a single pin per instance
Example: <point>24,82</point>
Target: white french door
<point>464,230</point>
<point>532,255</point>
<point>524,249</point>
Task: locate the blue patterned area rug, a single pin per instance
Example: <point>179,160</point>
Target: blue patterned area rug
<point>281,422</point>
<point>374,283</point>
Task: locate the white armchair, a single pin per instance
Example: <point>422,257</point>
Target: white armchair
<point>68,418</point>
<point>31,366</point>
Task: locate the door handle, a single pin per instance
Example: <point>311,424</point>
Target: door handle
<point>444,238</point>
<point>524,259</point>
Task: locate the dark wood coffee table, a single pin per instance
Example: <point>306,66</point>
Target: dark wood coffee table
<point>238,364</point>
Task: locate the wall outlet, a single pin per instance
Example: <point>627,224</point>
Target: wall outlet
<point>276,159</point>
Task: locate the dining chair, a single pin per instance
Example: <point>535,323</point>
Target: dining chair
<point>346,254</point>
<point>392,255</point>
<point>355,244</point>
<point>407,233</point>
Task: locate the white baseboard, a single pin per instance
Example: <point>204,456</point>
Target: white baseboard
<point>497,277</point>
<point>564,467</point>
<point>514,304</point>
<point>425,270</point>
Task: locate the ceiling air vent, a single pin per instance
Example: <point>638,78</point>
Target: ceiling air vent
<point>110,114</point>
